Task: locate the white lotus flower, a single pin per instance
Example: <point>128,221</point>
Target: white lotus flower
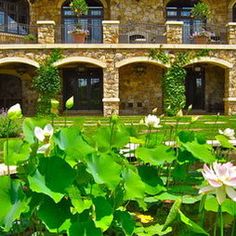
<point>14,112</point>
<point>152,121</point>
<point>221,179</point>
<point>228,133</point>
<point>44,134</point>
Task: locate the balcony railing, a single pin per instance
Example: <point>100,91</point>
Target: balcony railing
<point>214,34</point>
<point>18,33</point>
<point>112,32</point>
<point>93,33</point>
<point>142,33</point>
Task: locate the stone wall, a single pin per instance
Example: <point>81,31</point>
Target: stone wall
<point>214,88</point>
<point>140,91</point>
<point>123,83</point>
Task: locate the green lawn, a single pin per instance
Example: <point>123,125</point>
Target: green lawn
<point>207,125</point>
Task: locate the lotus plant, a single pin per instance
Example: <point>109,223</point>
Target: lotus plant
<point>152,121</point>
<point>44,136</point>
<point>222,181</point>
<point>229,133</point>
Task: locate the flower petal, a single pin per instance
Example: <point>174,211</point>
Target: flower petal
<point>38,132</point>
<point>48,130</point>
<point>231,193</point>
<point>43,148</point>
<point>206,189</point>
<point>220,195</point>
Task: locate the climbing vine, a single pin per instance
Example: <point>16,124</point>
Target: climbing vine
<point>47,83</point>
<point>173,81</point>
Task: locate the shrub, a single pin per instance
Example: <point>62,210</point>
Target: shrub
<point>13,129</point>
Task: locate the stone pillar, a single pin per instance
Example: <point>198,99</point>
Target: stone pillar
<point>230,92</point>
<point>111,90</point>
<point>46,32</point>
<point>110,31</point>
<point>231,32</point>
<point>174,32</point>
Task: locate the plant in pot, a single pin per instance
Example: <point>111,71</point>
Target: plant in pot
<point>79,7</point>
<point>201,11</point>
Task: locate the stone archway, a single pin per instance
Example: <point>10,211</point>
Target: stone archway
<point>205,86</point>
<point>140,87</point>
<point>83,81</point>
<point>16,85</point>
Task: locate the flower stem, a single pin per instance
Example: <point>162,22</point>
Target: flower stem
<point>7,148</point>
<point>221,221</point>
<point>216,223</point>
<point>233,228</point>
<point>65,124</point>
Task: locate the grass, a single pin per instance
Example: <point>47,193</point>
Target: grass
<point>206,124</point>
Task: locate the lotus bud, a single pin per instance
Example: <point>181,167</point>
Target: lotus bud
<point>194,118</point>
<point>14,112</point>
<point>70,103</point>
<point>179,113</point>
<point>190,107</point>
<point>54,106</point>
<point>154,111</point>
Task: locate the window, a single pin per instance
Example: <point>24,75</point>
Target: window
<point>180,10</point>
<point>14,16</point>
<point>91,22</point>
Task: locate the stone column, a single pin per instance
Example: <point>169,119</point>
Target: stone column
<point>230,92</point>
<point>111,90</point>
<point>46,32</point>
<point>110,31</point>
<point>174,32</point>
<point>231,32</point>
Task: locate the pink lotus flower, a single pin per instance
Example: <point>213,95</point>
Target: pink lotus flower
<point>221,179</point>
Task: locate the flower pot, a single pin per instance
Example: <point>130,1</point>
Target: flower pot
<point>201,39</point>
<point>79,37</point>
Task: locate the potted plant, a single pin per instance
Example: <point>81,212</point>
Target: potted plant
<point>78,33</point>
<point>79,7</point>
<point>201,11</point>
<point>202,37</point>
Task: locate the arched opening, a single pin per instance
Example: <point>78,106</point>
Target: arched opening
<point>14,16</point>
<point>16,86</point>
<point>234,12</point>
<point>92,22</point>
<point>85,82</point>
<point>205,87</point>
<point>140,88</point>
<point>10,90</point>
<point>180,10</point>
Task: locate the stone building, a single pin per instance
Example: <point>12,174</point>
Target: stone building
<point>111,72</point>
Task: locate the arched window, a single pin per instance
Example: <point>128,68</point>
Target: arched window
<point>180,10</point>
<point>14,16</point>
<point>234,13</point>
<point>91,22</point>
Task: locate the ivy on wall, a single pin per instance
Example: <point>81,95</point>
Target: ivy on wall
<point>47,83</point>
<point>173,81</point>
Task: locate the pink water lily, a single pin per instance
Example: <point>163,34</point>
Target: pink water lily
<point>221,179</point>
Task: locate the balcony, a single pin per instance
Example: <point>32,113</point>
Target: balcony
<point>112,32</point>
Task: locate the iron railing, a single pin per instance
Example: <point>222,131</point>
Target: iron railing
<point>142,33</point>
<point>18,34</point>
<point>215,34</point>
<point>94,33</point>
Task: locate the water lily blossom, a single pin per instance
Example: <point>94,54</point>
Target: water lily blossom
<point>221,179</point>
<point>152,121</point>
<point>228,133</point>
<point>14,112</point>
<point>70,103</point>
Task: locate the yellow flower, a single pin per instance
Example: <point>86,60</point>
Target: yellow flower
<point>144,218</point>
